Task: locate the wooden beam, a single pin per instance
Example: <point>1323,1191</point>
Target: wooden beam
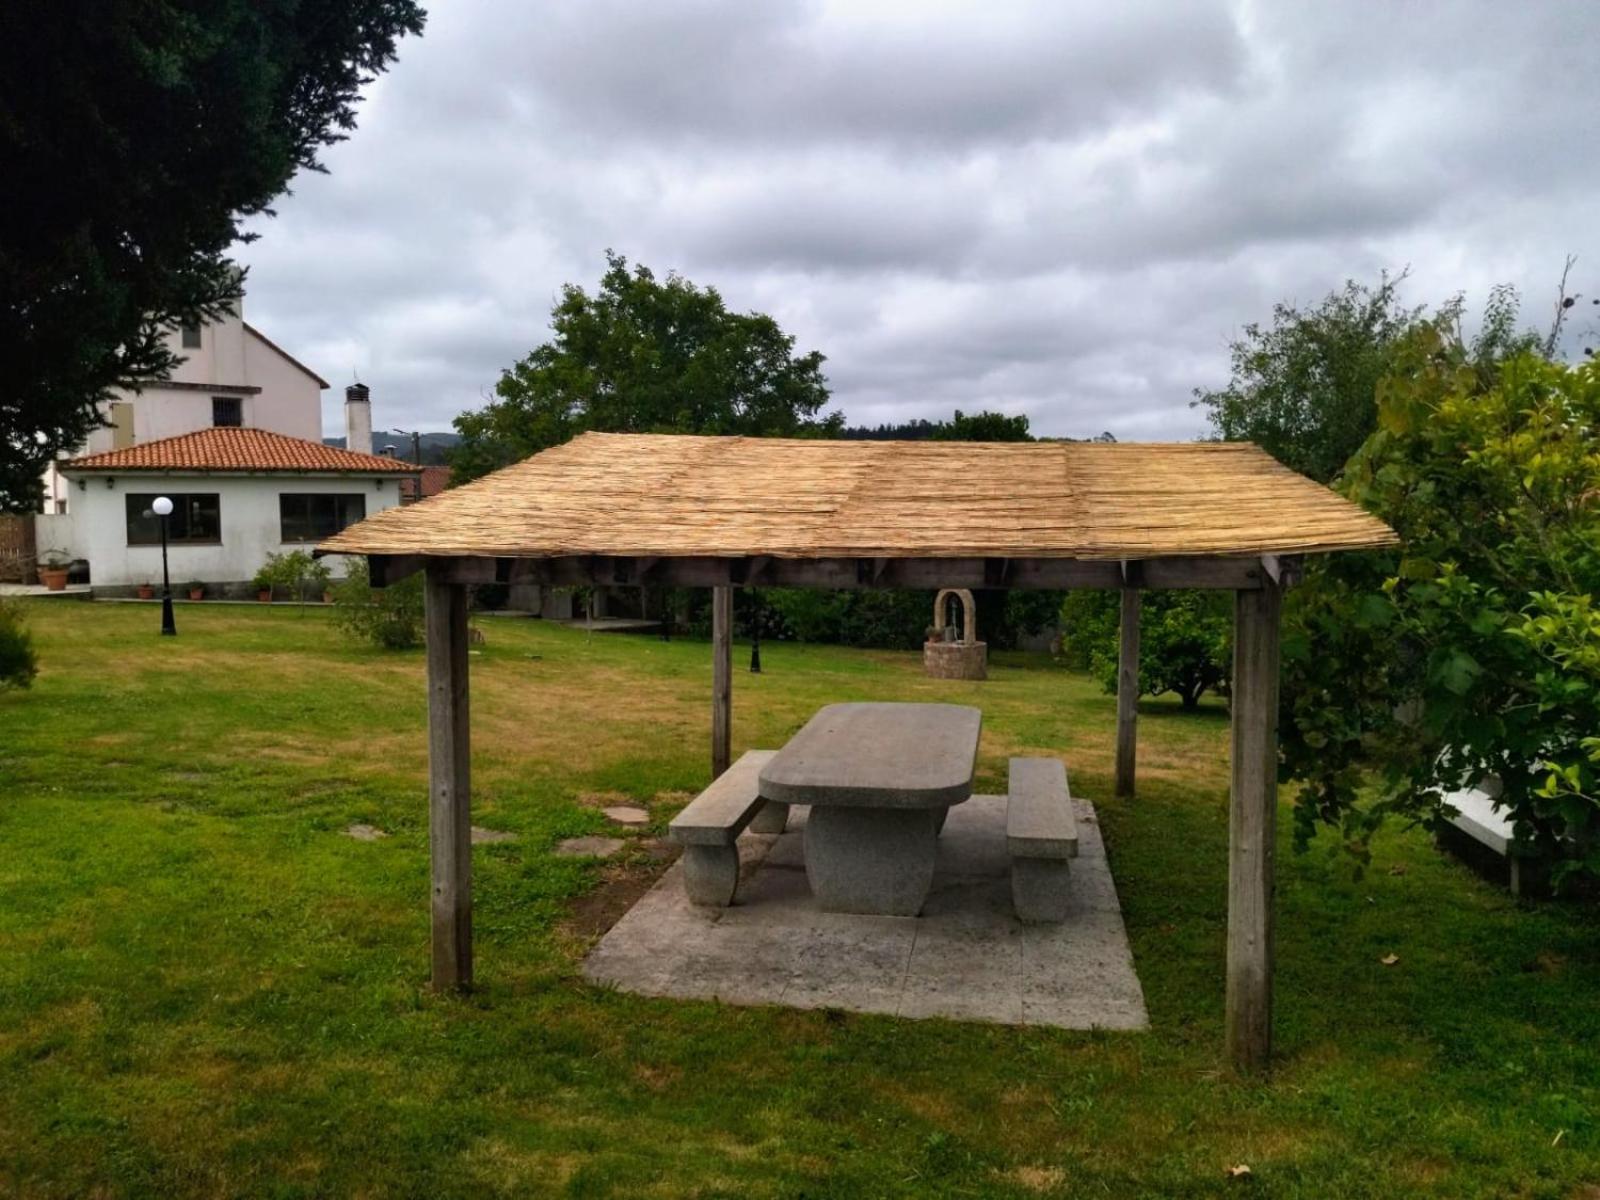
<point>450,781</point>
<point>721,679</point>
<point>1128,692</point>
<point>386,569</point>
<point>1252,826</point>
<point>1052,573</point>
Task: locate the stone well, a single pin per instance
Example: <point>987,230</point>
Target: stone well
<point>944,656</point>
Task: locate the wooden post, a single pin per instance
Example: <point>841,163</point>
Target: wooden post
<point>1252,825</point>
<point>1128,693</point>
<point>450,782</point>
<point>721,679</point>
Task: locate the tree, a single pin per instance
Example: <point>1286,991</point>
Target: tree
<point>646,355</point>
<point>983,427</point>
<point>979,427</point>
<point>1185,640</point>
<point>135,137</point>
<point>1472,651</point>
<point>1304,389</point>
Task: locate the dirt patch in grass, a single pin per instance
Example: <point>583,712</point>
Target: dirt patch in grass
<point>605,799</point>
<point>621,884</point>
<point>1036,1179</point>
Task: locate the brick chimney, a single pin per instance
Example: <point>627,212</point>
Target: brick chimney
<point>358,418</point>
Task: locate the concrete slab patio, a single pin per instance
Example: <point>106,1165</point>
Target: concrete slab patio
<point>966,957</point>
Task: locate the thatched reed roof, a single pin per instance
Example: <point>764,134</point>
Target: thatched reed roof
<point>671,495</point>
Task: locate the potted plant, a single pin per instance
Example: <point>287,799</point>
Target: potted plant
<point>53,570</point>
<point>197,590</point>
<point>263,582</point>
<point>147,591</point>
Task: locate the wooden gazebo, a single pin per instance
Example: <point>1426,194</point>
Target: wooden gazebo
<point>725,512</point>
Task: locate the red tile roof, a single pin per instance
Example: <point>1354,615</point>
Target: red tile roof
<point>233,449</point>
<point>434,480</point>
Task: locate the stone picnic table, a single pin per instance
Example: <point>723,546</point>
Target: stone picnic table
<point>878,779</point>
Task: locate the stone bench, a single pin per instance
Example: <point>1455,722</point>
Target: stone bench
<point>1041,836</point>
<point>710,825</point>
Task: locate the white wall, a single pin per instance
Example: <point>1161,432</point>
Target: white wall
<point>250,524</point>
<point>167,412</point>
<point>290,401</point>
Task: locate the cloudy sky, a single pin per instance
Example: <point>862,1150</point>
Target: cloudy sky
<point>1058,209</point>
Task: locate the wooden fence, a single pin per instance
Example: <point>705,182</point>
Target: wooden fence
<point>17,549</point>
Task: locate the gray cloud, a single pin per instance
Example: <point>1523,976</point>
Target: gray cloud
<point>1059,210</point>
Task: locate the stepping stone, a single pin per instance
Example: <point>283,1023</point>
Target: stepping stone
<point>480,835</point>
<point>589,847</point>
<point>365,833</point>
<point>627,814</point>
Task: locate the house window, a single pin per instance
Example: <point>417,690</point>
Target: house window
<point>227,410</point>
<point>196,517</point>
<point>312,516</point>
<point>191,337</point>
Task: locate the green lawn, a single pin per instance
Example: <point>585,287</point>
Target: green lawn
<point>207,990</point>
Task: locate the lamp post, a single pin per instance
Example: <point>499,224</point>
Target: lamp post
<point>163,509</point>
<point>755,632</point>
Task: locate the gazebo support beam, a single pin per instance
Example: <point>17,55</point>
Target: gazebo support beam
<point>449,782</point>
<point>721,679</point>
<point>1232,574</point>
<point>1128,692</point>
<point>1252,827</point>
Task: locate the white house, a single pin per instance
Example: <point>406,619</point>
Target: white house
<point>237,495</point>
<point>234,439</point>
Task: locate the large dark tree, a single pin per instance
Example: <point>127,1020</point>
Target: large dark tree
<point>646,355</point>
<point>135,136</point>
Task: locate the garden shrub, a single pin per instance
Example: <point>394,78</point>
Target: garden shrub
<point>388,617</point>
<point>297,572</point>
<point>19,662</point>
<point>894,618</point>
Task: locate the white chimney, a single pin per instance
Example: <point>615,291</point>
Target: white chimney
<point>358,418</point>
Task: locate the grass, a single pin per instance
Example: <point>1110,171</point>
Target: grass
<point>207,990</point>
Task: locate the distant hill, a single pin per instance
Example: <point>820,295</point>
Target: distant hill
<point>434,445</point>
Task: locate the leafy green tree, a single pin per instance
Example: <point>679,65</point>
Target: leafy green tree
<point>135,137</point>
<point>1185,640</point>
<point>646,355</point>
<point>1472,651</point>
<point>1304,387</point>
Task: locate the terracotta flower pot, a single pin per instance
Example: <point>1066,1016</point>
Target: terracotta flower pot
<point>198,593</point>
<point>264,595</point>
<point>146,592</point>
<point>53,578</point>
